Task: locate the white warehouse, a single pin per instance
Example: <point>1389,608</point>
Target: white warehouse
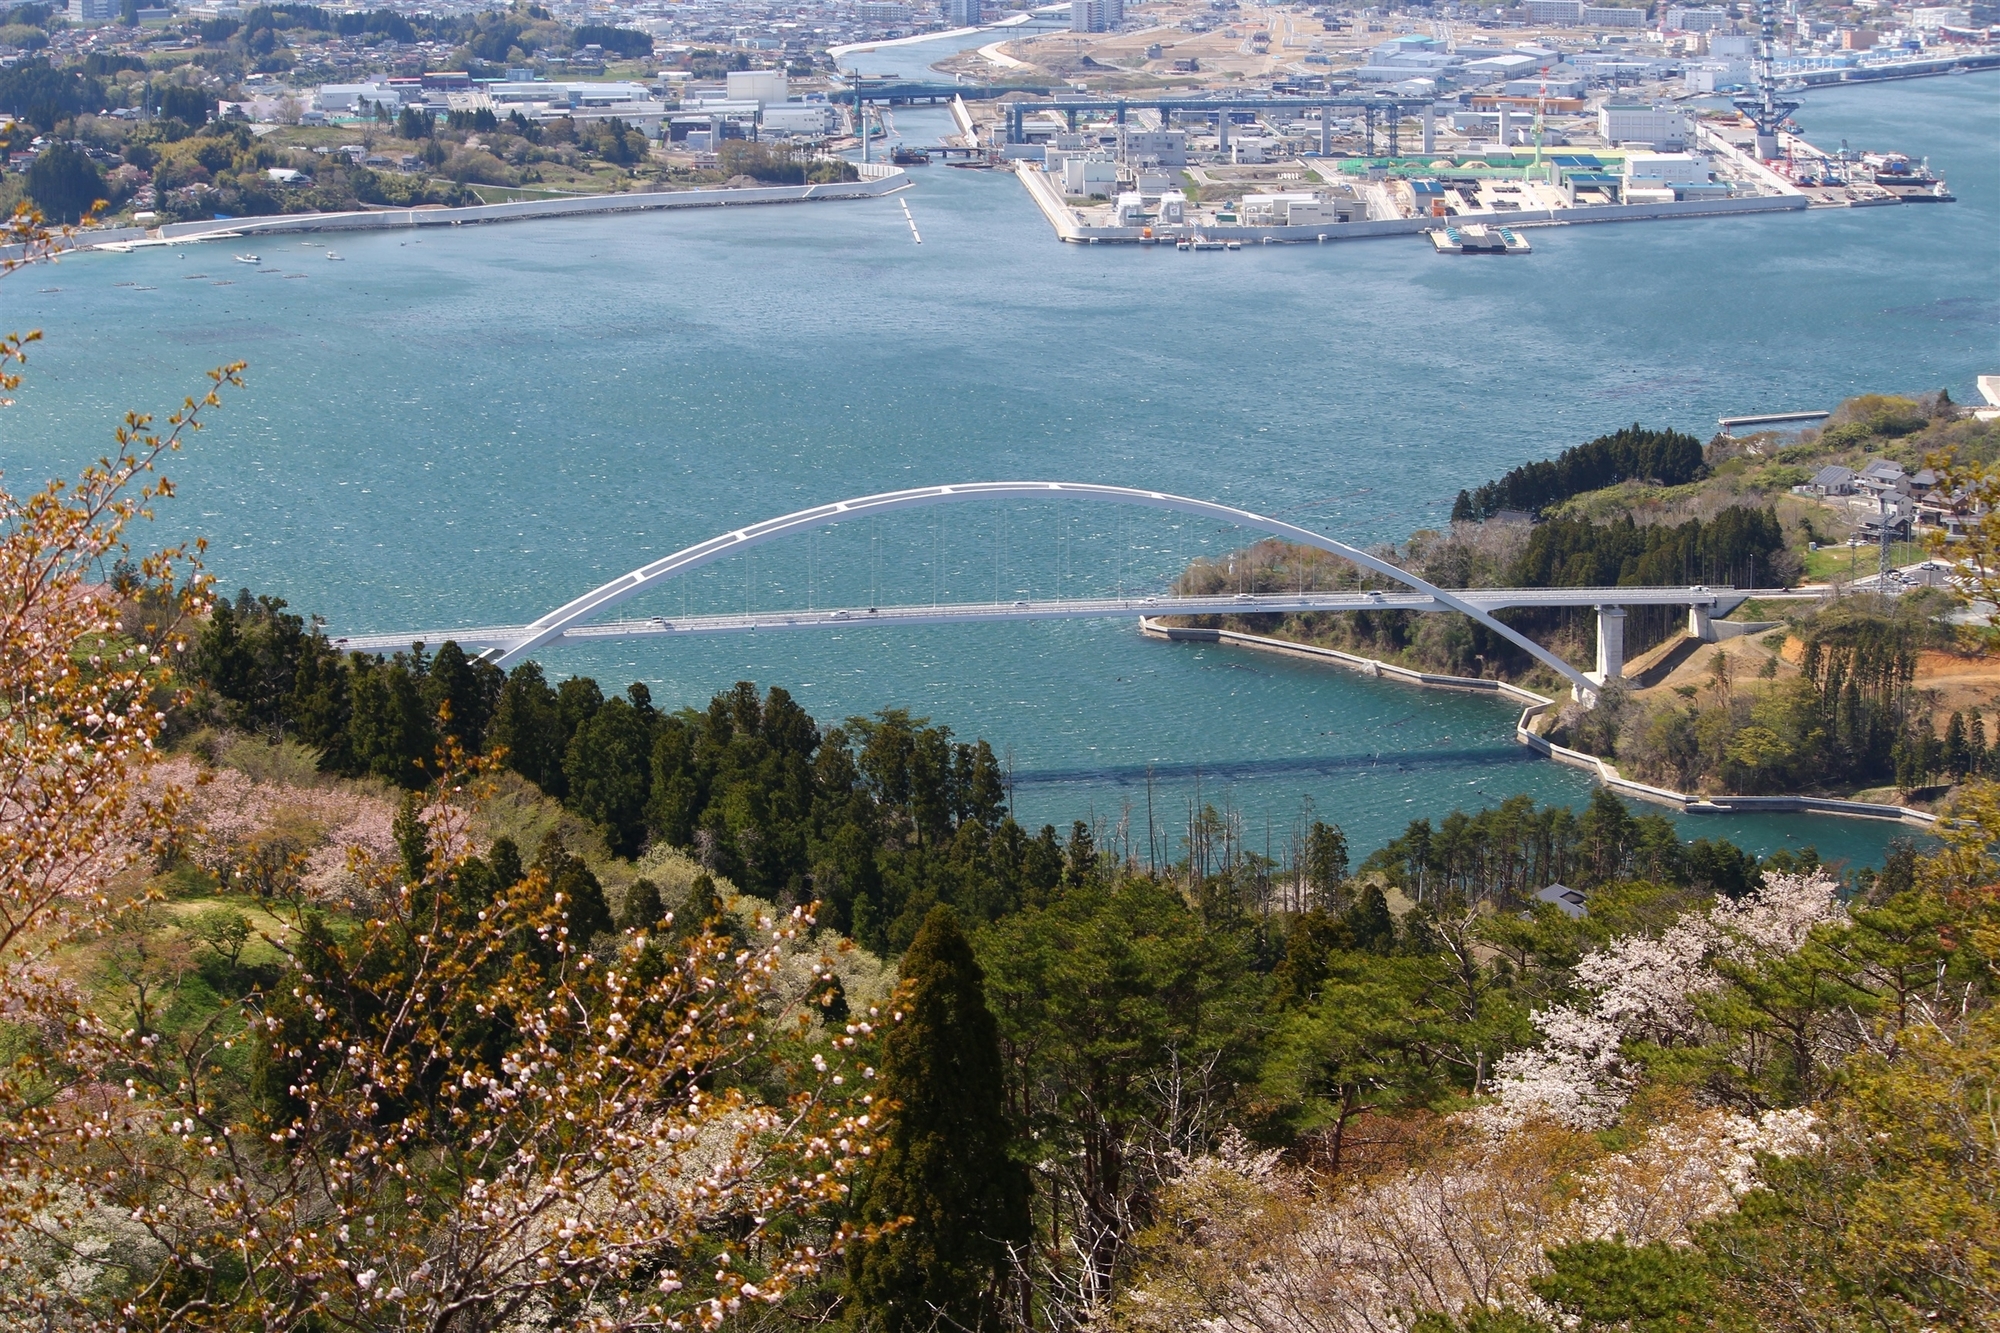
<point>1663,127</point>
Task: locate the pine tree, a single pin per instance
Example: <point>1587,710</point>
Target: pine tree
<point>946,1166</point>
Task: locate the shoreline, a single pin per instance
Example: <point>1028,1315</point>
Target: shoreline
<point>877,181</point>
<point>1602,770</point>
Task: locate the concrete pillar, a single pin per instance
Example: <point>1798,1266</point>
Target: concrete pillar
<point>1503,130</point>
<point>1072,122</point>
<point>1610,645</point>
<point>1121,113</point>
<point>1222,131</point>
<point>1430,129</point>
<point>1326,131</point>
<point>1698,624</point>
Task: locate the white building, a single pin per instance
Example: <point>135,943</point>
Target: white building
<point>1597,17</point>
<point>1130,210</point>
<point>1513,65</point>
<point>357,99</point>
<point>1666,168</point>
<point>1661,127</point>
<point>1087,176</point>
<point>1296,209</point>
<point>92,11</point>
<point>1095,15</point>
<point>1931,17</point>
<point>1703,18</point>
<point>1554,13</point>
<point>1717,76</point>
<point>1162,148</point>
<point>758,85</point>
<point>810,119</point>
<point>1173,209</point>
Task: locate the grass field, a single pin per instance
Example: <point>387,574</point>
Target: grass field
<point>1848,563</point>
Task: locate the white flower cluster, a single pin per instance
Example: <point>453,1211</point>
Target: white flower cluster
<point>1684,1172</point>
<point>1641,988</point>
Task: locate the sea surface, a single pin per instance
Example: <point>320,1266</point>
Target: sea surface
<point>470,427</point>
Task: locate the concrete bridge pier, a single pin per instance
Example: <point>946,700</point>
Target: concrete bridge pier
<point>1699,626</point>
<point>1430,129</point>
<point>1326,131</point>
<point>1610,645</point>
<point>1222,131</point>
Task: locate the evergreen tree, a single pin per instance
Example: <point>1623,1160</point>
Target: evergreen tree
<point>470,688</point>
<point>608,766</point>
<point>528,724</point>
<point>1326,864</point>
<point>1370,922</point>
<point>582,897</point>
<point>64,183</point>
<point>1957,754</point>
<point>390,729</point>
<point>641,907</point>
<point>946,1166</point>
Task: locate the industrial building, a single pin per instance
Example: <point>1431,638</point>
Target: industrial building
<point>1662,127</point>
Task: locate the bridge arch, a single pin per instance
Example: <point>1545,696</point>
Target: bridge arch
<point>627,586</point>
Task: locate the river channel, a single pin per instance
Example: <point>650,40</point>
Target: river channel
<point>469,428</point>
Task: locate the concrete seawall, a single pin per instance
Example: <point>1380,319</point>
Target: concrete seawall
<point>1524,733</point>
<point>876,180</point>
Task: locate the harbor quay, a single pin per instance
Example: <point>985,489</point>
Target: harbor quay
<point>1469,198</point>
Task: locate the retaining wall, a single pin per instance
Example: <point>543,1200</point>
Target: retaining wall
<point>1602,770</point>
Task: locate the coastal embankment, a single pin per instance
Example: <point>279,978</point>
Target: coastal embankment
<point>877,180</point>
<point>1524,732</point>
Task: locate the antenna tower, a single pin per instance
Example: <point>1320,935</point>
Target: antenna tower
<point>1766,110</point>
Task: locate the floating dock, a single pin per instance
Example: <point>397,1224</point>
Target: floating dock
<point>1479,240</point>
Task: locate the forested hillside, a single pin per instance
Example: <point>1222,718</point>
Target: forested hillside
<point>325,1007</point>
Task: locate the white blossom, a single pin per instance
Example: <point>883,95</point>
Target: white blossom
<point>1638,988</point>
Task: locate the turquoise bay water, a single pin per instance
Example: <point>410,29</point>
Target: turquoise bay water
<point>468,428</point>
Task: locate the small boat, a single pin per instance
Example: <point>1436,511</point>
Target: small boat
<point>332,255</point>
<point>248,259</point>
<point>910,157</point>
<point>116,247</point>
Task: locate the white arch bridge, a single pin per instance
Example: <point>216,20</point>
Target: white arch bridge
<point>578,621</point>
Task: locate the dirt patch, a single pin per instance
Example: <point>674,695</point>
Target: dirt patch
<point>1960,681</point>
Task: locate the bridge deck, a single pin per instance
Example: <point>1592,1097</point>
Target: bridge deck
<point>502,637</point>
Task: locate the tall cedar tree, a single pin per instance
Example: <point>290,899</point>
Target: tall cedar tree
<point>946,1166</point>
